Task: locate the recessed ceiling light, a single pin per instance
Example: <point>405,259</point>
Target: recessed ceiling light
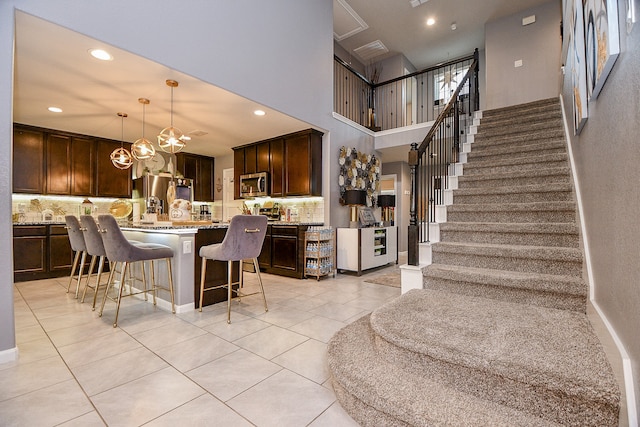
<point>431,21</point>
<point>453,26</point>
<point>259,113</point>
<point>55,109</point>
<point>100,54</point>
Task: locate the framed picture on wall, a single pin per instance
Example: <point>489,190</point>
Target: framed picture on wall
<point>576,62</point>
<point>631,15</point>
<point>602,42</point>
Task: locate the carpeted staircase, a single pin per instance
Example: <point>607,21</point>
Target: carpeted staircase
<point>499,335</point>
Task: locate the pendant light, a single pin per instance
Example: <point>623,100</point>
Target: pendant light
<point>121,157</point>
<point>171,139</point>
<point>143,149</point>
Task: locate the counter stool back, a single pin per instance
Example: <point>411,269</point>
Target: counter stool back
<point>76,238</point>
<point>95,248</point>
<point>121,251</point>
<point>243,240</point>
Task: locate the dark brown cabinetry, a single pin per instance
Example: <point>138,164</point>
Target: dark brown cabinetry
<point>60,253</point>
<point>276,167</point>
<point>28,161</point>
<point>216,270</point>
<point>303,164</point>
<point>53,162</point>
<point>83,166</point>
<point>294,162</point>
<point>283,250</point>
<point>58,149</point>
<point>41,251</point>
<point>111,181</point>
<point>200,169</point>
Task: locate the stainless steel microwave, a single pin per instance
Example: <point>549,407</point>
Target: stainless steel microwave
<point>254,185</point>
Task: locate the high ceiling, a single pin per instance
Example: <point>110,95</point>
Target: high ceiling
<point>53,68</point>
<point>402,28</point>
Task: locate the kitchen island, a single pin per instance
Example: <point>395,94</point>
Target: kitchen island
<point>282,253</point>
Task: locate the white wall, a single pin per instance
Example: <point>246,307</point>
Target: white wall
<point>537,45</point>
<point>245,47</point>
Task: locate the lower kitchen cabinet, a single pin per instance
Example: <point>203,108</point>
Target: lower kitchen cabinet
<point>40,252</point>
<point>283,250</point>
<point>216,270</point>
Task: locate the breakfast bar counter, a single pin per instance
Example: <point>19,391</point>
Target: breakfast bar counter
<point>282,254</point>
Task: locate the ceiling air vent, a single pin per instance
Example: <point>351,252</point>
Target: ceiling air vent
<point>416,3</point>
<point>346,22</point>
<point>197,133</point>
<point>371,50</point>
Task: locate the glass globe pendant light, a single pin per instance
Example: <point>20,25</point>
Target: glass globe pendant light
<point>171,139</point>
<point>121,157</point>
<point>143,149</point>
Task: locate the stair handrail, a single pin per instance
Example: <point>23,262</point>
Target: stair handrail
<point>417,153</point>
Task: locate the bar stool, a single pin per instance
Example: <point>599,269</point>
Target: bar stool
<point>243,240</point>
<point>78,245</point>
<point>120,251</point>
<point>95,248</point>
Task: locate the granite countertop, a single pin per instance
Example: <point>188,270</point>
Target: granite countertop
<point>40,223</point>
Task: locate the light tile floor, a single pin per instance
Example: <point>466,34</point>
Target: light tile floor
<point>160,369</point>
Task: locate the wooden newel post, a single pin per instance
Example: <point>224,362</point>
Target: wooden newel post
<point>413,236</point>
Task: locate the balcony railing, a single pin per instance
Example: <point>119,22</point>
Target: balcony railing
<point>407,100</point>
<point>431,161</point>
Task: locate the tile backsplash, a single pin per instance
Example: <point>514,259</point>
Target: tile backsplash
<point>30,208</point>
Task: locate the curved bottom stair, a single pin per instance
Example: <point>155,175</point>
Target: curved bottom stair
<point>435,358</point>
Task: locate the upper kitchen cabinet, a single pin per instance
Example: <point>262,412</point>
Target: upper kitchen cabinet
<point>111,181</point>
<point>200,169</point>
<point>294,163</point>
<point>58,149</point>
<point>83,166</point>
<point>28,161</point>
<point>303,164</point>
<point>70,165</point>
<point>54,162</point>
<point>276,167</point>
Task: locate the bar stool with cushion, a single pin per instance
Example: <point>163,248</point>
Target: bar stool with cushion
<point>120,251</point>
<point>76,238</point>
<point>95,248</point>
<point>243,240</point>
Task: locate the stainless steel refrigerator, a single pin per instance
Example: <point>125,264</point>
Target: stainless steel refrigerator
<point>152,189</point>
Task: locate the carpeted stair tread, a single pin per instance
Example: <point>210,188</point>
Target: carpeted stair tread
<point>521,177</point>
<point>536,212</point>
<point>520,161</point>
<point>481,152</point>
<point>526,127</point>
<point>515,194</point>
<point>552,291</point>
<point>378,393</point>
<point>544,114</point>
<point>531,259</point>
<point>519,138</point>
<point>522,109</point>
<point>547,361</point>
<point>570,285</point>
<point>541,234</point>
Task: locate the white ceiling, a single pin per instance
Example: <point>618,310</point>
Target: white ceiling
<point>53,67</point>
<point>402,28</point>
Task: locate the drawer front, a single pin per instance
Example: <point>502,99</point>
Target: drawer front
<point>284,230</point>
<point>29,230</point>
<point>57,230</point>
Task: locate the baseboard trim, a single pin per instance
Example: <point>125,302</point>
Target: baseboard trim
<point>10,355</point>
<point>626,360</point>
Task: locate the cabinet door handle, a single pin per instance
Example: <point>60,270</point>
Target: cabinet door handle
<point>255,230</point>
